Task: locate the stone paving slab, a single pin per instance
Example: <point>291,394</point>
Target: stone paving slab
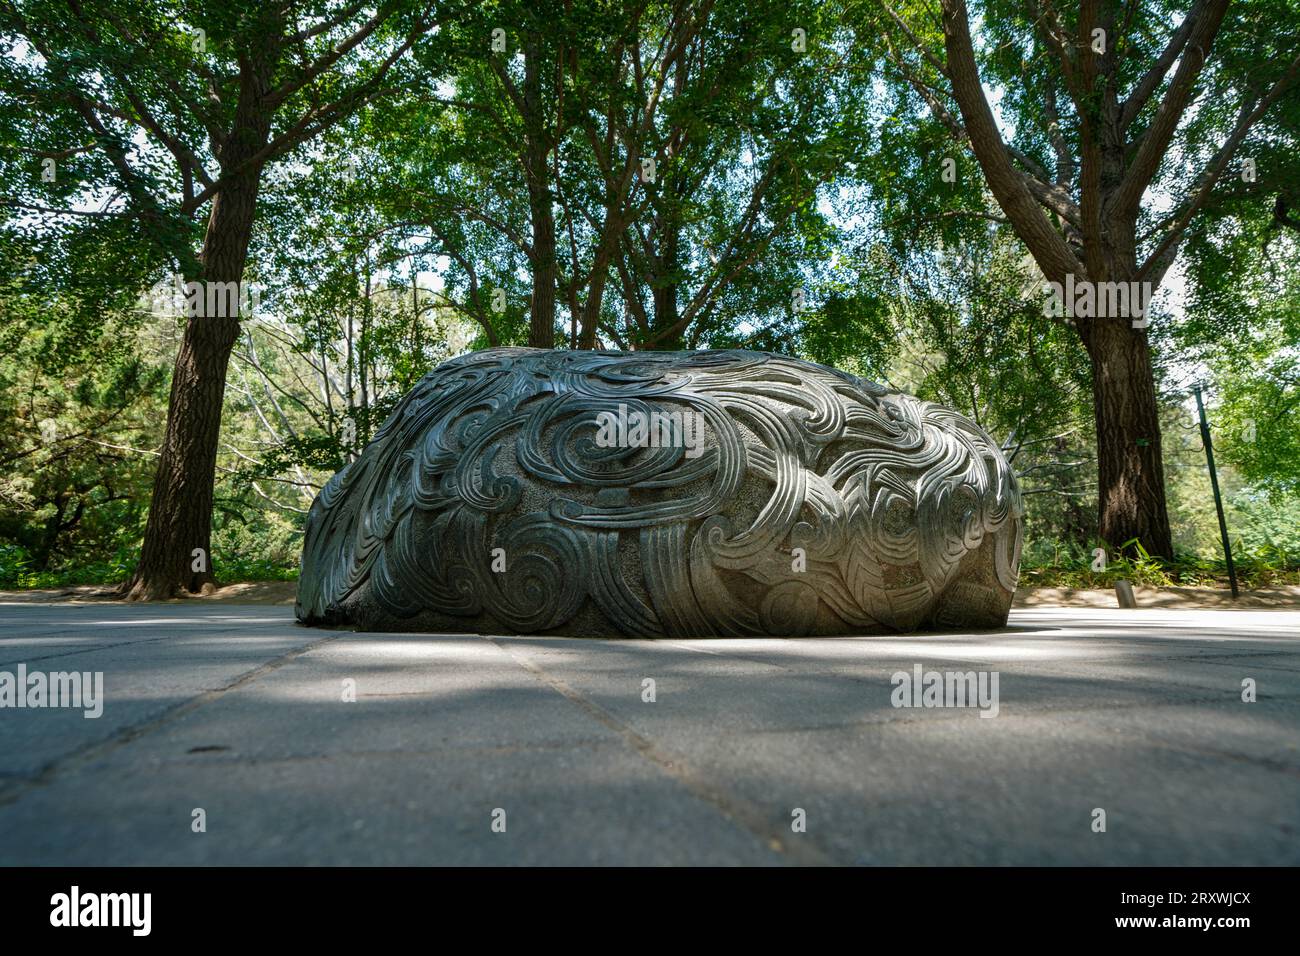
<point>238,711</point>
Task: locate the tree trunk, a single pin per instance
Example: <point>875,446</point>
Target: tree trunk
<point>1131,489</point>
<point>596,284</point>
<point>177,549</point>
<point>664,334</point>
<point>1130,469</point>
<point>541,322</point>
<point>180,511</point>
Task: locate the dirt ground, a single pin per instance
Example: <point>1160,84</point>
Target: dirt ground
<point>282,593</point>
<point>249,592</point>
<point>1284,596</point>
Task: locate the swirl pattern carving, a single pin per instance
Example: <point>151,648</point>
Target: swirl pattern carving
<point>811,502</point>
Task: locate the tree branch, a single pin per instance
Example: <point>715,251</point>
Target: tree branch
<point>1009,187</point>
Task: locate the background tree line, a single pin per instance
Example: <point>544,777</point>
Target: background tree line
<point>880,186</point>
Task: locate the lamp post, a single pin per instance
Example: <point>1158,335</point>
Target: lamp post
<point>1214,483</point>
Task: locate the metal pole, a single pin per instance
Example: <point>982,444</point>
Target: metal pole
<point>1214,483</point>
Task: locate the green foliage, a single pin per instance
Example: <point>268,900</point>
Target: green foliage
<point>1257,387</point>
<point>799,206</point>
<point>78,399</point>
<point>1047,564</point>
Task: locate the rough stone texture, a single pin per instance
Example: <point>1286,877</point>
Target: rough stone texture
<point>907,514</point>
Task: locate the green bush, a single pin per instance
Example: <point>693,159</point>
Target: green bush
<point>1048,564</point>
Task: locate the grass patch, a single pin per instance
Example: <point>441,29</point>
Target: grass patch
<point>17,573</point>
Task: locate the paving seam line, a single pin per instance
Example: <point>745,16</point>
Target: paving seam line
<point>736,809</point>
<point>12,791</point>
<point>85,650</point>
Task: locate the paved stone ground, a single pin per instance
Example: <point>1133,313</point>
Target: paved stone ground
<point>236,710</point>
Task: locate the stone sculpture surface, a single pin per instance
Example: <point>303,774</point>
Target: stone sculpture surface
<point>663,494</point>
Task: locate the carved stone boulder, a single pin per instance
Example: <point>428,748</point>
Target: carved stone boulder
<point>663,494</point>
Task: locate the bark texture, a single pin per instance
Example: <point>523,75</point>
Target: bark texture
<point>177,549</point>
<point>1080,222</point>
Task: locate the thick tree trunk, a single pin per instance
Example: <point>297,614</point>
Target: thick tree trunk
<point>596,287</point>
<point>541,322</point>
<point>177,550</point>
<point>1130,469</point>
<point>664,334</point>
<point>1131,489</point>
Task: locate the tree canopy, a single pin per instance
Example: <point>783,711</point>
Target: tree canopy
<point>894,187</point>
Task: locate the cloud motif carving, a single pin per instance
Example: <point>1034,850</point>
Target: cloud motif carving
<point>813,502</point>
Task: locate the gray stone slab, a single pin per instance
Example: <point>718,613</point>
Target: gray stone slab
<point>1011,792</point>
<point>563,806</point>
<point>419,695</point>
<point>239,711</point>
<point>146,675</point>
